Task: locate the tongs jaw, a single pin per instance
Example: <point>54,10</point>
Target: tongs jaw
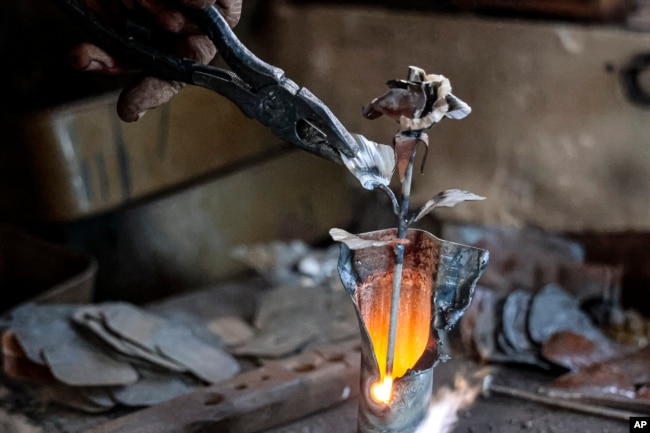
<point>259,89</point>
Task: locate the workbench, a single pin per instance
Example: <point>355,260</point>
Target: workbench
<point>21,412</point>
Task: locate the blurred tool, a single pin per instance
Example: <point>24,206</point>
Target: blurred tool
<point>490,388</point>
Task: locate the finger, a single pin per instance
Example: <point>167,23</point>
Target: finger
<point>200,4</point>
<point>89,57</point>
<point>231,10</point>
<point>197,47</point>
<point>167,17</point>
<point>148,93</point>
<point>170,19</point>
<point>174,21</point>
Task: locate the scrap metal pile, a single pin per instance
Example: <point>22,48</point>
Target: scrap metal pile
<point>540,304</point>
<point>97,357</point>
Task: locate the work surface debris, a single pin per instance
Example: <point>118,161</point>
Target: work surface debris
<point>544,320</point>
<point>95,357</point>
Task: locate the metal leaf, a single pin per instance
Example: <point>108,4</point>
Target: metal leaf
<point>373,164</point>
<point>355,242</point>
<point>448,198</point>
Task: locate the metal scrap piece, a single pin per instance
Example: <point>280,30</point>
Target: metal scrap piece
<point>48,338</point>
<point>152,388</point>
<point>158,340</point>
<point>80,364</point>
<point>485,330</point>
<point>91,318</point>
<point>37,327</point>
<point>208,363</point>
<point>574,351</point>
<point>515,320</point>
<point>520,258</point>
<point>285,305</point>
<point>512,332</point>
<point>553,310</point>
<point>280,342</point>
<point>99,396</point>
<point>232,330</point>
<point>291,318</point>
<point>82,399</point>
<point>620,376</point>
<point>132,323</point>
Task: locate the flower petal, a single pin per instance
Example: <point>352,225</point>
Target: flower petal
<point>458,109</point>
<point>394,103</point>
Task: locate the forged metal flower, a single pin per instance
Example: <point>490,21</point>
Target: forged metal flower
<point>418,102</point>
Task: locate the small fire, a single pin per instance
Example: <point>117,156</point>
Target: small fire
<point>382,391</point>
<point>443,414</point>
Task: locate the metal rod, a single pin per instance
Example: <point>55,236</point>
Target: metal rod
<point>556,402</point>
<point>399,264</point>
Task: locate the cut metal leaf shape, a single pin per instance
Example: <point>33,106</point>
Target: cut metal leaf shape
<point>448,198</point>
<point>355,242</point>
<point>373,164</point>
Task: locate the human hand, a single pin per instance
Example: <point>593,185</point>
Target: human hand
<point>151,92</point>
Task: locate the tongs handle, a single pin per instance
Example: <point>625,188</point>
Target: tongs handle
<point>252,70</point>
<point>249,68</point>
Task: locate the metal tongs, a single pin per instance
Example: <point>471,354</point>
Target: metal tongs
<point>260,90</point>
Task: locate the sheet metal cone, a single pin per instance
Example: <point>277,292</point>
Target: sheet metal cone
<point>439,278</point>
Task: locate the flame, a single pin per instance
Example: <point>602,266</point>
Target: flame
<point>382,391</point>
<point>414,320</point>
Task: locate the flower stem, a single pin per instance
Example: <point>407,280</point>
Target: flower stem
<point>399,264</point>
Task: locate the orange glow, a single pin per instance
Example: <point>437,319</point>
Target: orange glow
<point>414,320</point>
<point>382,391</point>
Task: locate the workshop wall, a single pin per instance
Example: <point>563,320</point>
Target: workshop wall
<point>552,141</point>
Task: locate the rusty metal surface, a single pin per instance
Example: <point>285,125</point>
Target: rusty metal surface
<point>439,278</point>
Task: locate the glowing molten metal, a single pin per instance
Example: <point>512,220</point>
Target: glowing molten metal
<point>413,326</point>
<point>382,391</point>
